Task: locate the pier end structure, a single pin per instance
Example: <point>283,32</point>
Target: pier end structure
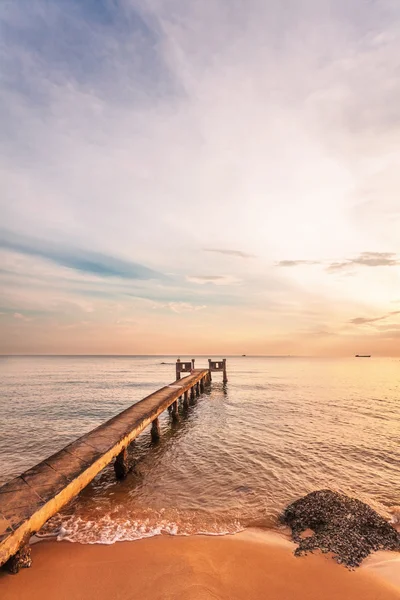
<point>218,366</point>
<point>184,367</point>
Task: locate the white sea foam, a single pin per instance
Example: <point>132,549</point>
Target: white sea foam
<point>108,531</point>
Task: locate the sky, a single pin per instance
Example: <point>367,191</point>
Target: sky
<point>200,176</point>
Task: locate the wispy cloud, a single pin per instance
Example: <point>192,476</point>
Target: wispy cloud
<point>296,263</point>
<point>184,307</point>
<point>367,259</point>
<point>21,317</point>
<point>237,253</point>
<point>214,279</point>
<point>388,327</point>
<point>86,261</point>
<point>367,320</point>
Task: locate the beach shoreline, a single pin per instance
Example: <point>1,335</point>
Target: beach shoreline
<point>242,566</point>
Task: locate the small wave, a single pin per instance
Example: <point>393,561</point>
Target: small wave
<point>107,530</point>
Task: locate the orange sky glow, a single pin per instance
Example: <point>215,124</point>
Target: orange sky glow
<point>200,178</point>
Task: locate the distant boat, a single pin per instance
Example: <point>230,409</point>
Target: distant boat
<point>363,356</point>
<point>243,355</point>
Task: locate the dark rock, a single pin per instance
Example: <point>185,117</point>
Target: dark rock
<point>21,560</point>
<point>347,527</point>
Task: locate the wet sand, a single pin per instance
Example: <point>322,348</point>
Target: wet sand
<point>251,565</point>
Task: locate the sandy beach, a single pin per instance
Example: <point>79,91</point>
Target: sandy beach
<point>250,565</point>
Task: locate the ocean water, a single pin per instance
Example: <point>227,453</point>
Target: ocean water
<point>280,428</point>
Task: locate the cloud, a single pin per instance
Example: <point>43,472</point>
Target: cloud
<point>183,307</point>
<point>366,320</point>
<point>20,316</point>
<point>390,334</point>
<point>214,279</point>
<point>98,32</point>
<point>86,261</point>
<point>296,263</point>
<point>388,327</point>
<point>318,332</point>
<point>237,253</point>
<point>367,259</point>
<point>363,321</point>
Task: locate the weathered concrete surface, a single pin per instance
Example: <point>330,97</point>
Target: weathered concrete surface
<point>218,365</point>
<point>28,501</point>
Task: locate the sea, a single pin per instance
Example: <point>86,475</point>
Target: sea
<point>280,428</point>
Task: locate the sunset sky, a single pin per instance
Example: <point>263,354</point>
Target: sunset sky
<point>200,176</point>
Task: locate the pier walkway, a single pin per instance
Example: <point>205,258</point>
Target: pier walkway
<point>28,501</point>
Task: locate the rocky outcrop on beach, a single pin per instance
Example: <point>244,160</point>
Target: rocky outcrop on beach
<point>346,527</point>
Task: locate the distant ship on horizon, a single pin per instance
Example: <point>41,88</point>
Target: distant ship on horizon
<point>363,356</point>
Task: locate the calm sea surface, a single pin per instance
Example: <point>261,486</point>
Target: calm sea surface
<point>280,428</point>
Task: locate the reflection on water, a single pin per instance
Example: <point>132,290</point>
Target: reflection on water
<point>279,429</point>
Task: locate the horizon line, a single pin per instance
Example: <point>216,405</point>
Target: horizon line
<point>22,355</point>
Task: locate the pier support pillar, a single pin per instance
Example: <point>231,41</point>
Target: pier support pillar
<point>155,431</point>
<point>121,464</point>
<point>201,386</point>
<point>225,377</point>
<point>197,389</point>
<point>175,414</point>
<point>21,560</point>
<point>192,395</point>
<point>186,400</point>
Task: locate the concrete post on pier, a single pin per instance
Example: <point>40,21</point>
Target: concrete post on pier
<point>178,368</point>
<point>175,413</point>
<point>155,431</point>
<point>209,368</point>
<point>225,376</point>
<point>121,464</point>
<point>193,364</point>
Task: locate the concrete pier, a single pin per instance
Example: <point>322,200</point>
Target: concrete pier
<point>31,499</point>
<point>28,501</point>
